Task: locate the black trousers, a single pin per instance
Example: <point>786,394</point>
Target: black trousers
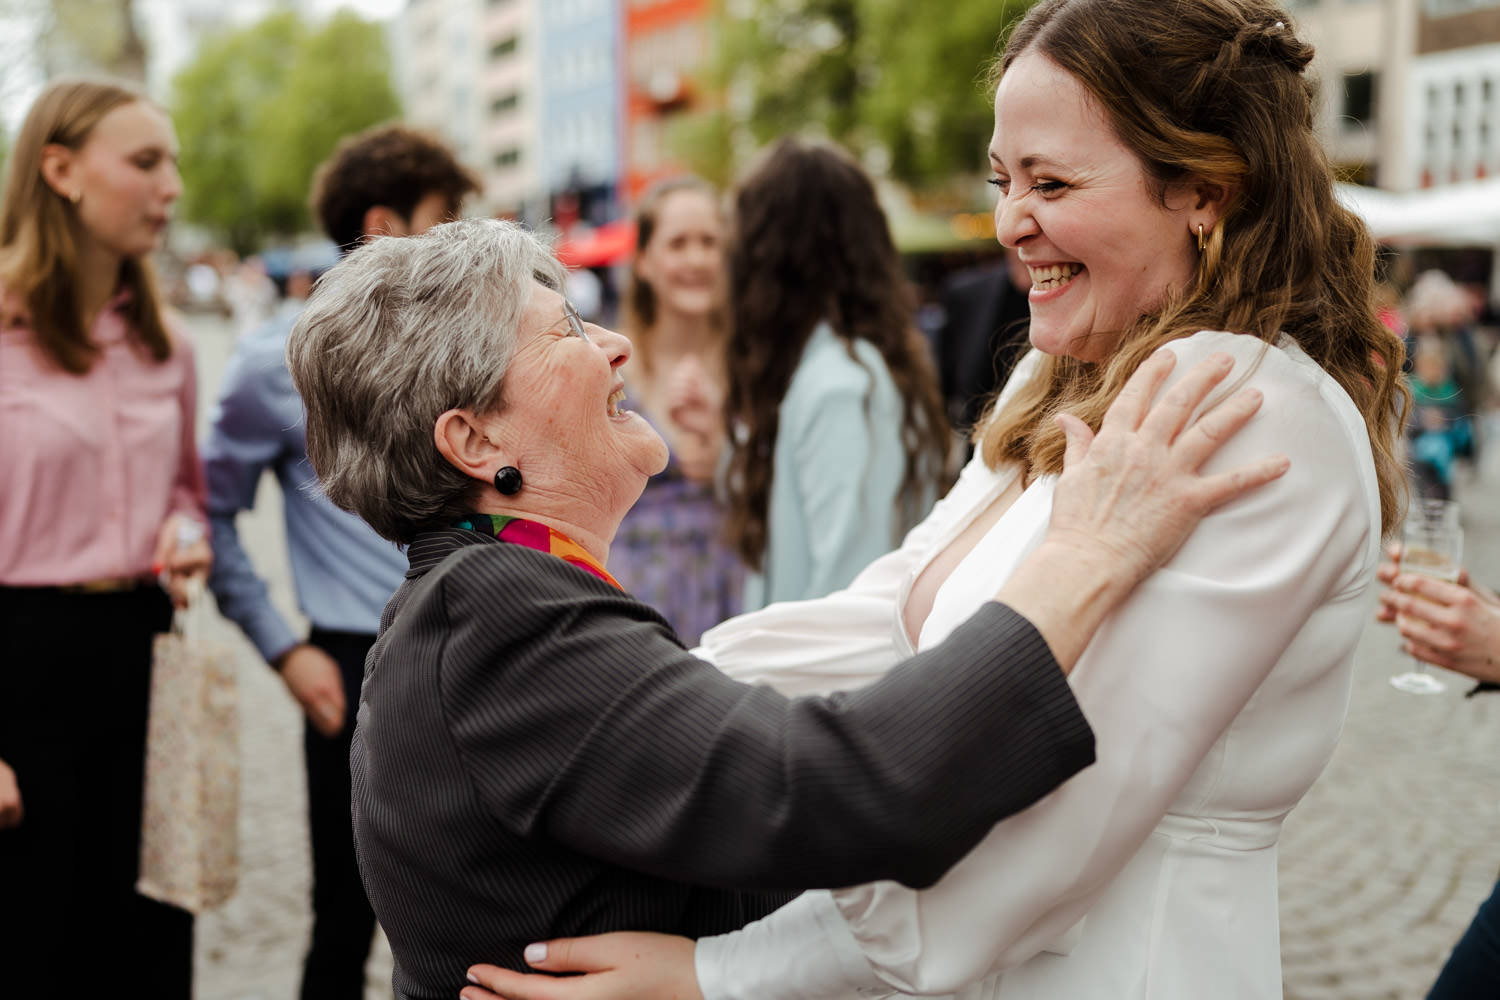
<point>75,683</point>
<point>343,923</point>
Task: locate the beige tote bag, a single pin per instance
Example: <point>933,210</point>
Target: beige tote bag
<point>190,819</point>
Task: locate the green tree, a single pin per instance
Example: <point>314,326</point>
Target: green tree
<point>891,78</point>
<point>259,108</point>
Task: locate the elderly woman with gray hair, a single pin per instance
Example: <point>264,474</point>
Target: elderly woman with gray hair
<point>537,755</point>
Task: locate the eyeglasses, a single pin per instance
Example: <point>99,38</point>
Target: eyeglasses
<point>575,321</point>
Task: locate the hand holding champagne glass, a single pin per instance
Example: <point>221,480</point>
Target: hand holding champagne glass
<point>1432,545</point>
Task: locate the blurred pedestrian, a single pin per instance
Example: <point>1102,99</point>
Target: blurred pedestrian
<point>669,551</point>
<point>1440,428</point>
<point>249,293</point>
<point>840,438</point>
<point>1438,308</point>
<point>1455,626</point>
<point>97,409</point>
<point>388,181</point>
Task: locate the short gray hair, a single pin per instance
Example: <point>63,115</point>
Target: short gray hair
<point>396,333</point>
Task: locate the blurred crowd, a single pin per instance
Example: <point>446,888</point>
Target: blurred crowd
<point>1451,331</point>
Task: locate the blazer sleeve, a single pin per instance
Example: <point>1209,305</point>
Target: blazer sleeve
<point>1161,681</point>
<point>580,719</point>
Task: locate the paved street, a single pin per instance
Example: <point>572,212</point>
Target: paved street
<point>1382,865</point>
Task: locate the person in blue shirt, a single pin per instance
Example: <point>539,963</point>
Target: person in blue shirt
<point>387,181</point>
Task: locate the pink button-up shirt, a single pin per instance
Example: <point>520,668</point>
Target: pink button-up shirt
<point>91,465</point>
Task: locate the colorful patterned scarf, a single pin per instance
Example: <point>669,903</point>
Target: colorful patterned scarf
<point>534,535</point>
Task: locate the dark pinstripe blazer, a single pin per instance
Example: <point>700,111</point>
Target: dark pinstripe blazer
<point>538,756</point>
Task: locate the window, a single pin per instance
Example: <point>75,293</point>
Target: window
<point>505,46</point>
<point>508,157</point>
<point>1359,98</point>
<point>505,103</point>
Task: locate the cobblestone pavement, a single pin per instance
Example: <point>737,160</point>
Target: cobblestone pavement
<point>1382,866</point>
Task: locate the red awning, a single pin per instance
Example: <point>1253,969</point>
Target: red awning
<point>602,246</point>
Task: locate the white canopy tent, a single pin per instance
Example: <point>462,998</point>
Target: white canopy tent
<point>1457,215</point>
<point>1465,214</point>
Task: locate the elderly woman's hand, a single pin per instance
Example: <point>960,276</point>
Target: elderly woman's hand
<point>620,966</point>
<point>1128,497</point>
<point>11,812</point>
<point>1132,494</point>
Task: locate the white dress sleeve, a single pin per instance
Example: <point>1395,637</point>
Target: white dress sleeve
<point>1161,682</point>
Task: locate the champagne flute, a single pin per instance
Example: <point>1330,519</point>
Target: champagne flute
<point>1432,545</point>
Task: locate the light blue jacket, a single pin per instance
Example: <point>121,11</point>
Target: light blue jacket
<point>836,481</point>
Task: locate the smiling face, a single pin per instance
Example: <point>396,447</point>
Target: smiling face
<point>125,175</point>
<point>684,262</point>
<point>1083,214</point>
<point>562,420</point>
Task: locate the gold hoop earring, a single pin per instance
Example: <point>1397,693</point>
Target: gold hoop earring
<point>1201,243</point>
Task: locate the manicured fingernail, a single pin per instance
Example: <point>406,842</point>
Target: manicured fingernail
<point>536,953</point>
<point>472,978</point>
<point>156,569</point>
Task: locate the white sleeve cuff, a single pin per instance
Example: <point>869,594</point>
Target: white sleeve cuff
<point>803,951</point>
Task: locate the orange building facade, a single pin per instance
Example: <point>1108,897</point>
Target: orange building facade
<point>666,47</point>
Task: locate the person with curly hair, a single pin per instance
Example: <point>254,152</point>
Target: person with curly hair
<point>388,181</point>
<point>837,427</point>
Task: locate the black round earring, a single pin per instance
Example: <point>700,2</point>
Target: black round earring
<point>508,480</point>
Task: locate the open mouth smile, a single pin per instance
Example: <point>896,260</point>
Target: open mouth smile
<point>1053,276</point>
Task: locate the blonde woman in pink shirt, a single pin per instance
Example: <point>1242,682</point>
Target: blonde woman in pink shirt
<point>101,497</point>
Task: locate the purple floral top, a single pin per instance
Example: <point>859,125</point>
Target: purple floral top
<point>669,553</point>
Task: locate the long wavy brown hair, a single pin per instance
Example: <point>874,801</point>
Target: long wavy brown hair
<point>1216,91</point>
<point>39,230</point>
<point>811,244</point>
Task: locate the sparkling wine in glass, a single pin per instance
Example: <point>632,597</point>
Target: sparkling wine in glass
<point>1432,545</point>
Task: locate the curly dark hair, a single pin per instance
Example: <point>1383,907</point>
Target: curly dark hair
<point>391,165</point>
<point>811,244</point>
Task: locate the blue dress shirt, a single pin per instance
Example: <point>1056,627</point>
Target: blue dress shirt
<point>343,571</point>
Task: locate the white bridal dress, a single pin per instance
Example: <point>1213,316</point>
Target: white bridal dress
<point>1216,694</point>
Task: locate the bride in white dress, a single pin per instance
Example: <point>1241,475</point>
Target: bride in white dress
<point>1158,172</point>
